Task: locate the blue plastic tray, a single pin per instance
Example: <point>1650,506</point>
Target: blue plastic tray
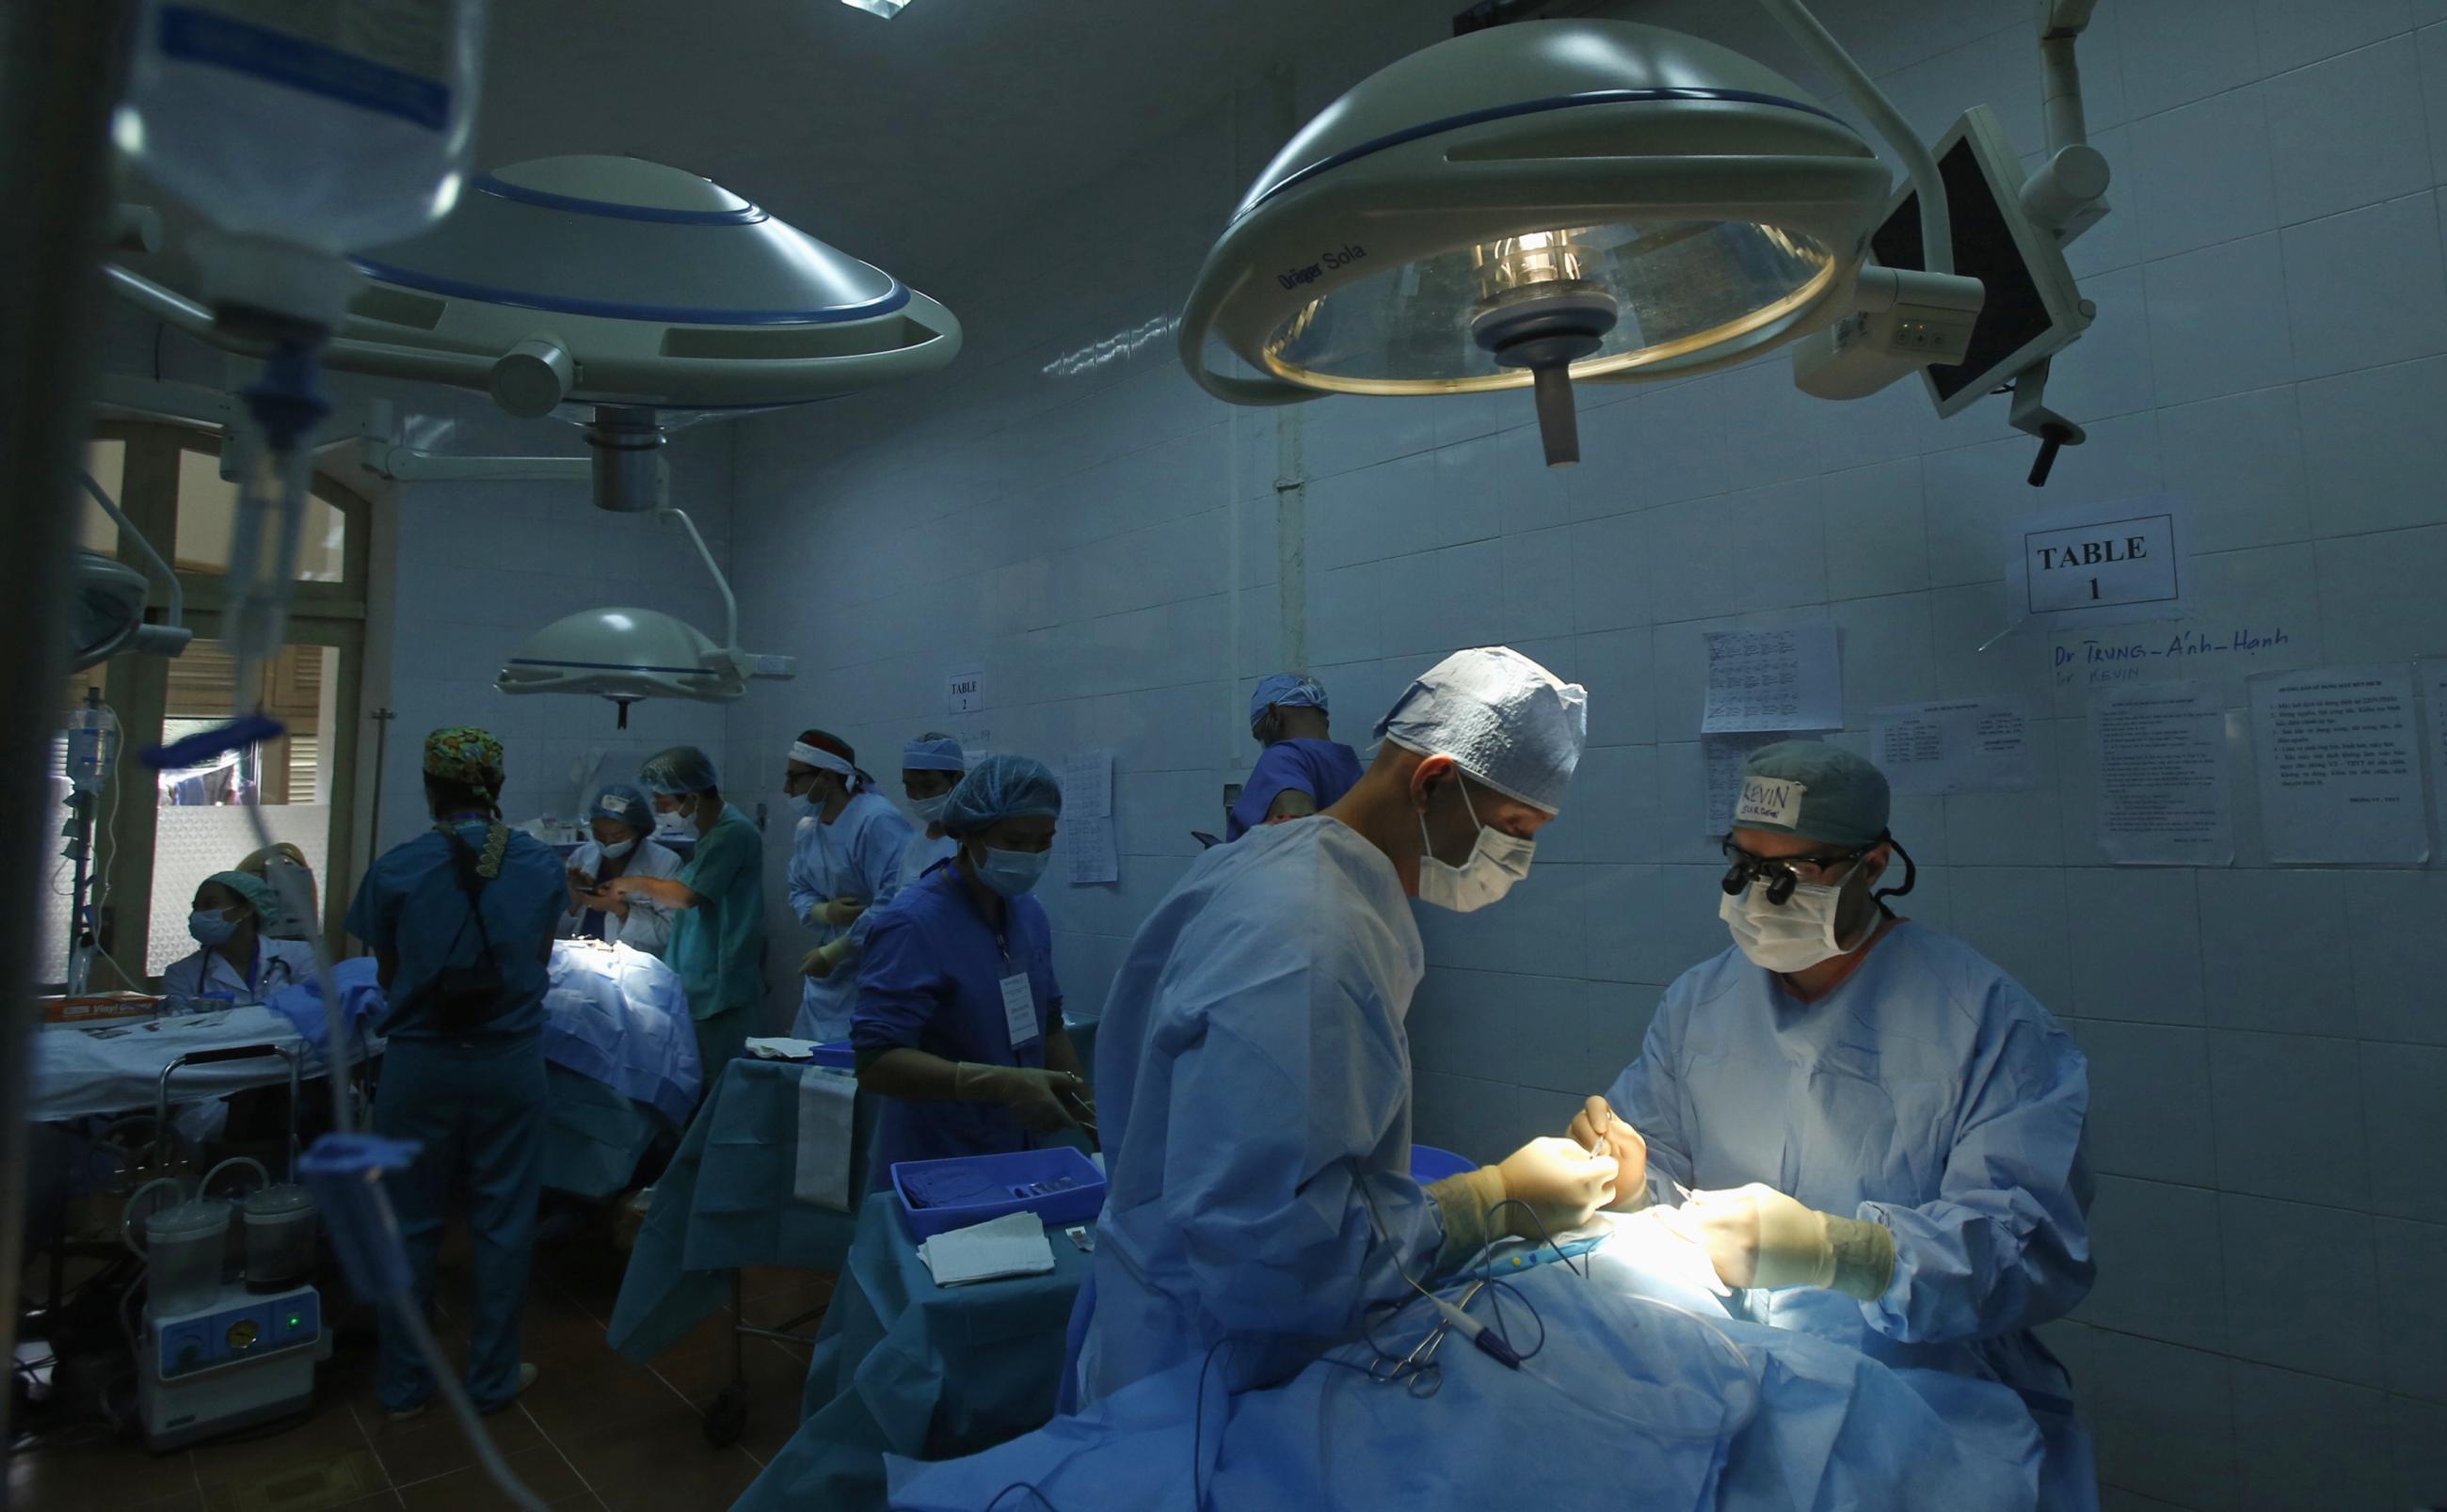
<point>1428,1163</point>
<point>940,1195</point>
<point>838,1055</point>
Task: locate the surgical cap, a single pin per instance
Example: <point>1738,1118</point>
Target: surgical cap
<point>465,755</point>
<point>256,892</point>
<point>678,771</point>
<point>623,804</point>
<point>932,752</point>
<point>1001,786</point>
<point>1287,689</point>
<point>1814,790</point>
<point>1505,720</point>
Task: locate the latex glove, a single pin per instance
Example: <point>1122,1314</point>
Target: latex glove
<point>1597,1128</point>
<point>825,959</point>
<point>1755,1235</point>
<point>1045,1102</point>
<point>1558,1181</point>
<point>581,888</point>
<point>840,912</point>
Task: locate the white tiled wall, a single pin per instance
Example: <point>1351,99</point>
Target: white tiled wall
<point>2268,1045</point>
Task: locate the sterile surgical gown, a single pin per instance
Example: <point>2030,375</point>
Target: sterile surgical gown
<point>1928,1093</point>
<point>1251,1075</point>
<point>1324,769</point>
<point>857,855</point>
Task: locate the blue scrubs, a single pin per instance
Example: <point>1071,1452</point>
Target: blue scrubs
<point>1253,1091</point>
<point>857,855</point>
<point>473,1100</point>
<point>718,946</point>
<point>1928,1093</point>
<point>932,980</point>
<point>1324,769</point>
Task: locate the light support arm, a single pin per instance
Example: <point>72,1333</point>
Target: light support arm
<point>404,463</point>
<point>730,604</point>
<point>1936,224</point>
<point>2067,195</point>
<point>170,638</point>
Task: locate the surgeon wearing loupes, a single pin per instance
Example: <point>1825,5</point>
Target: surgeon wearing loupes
<point>958,1022</point>
<point>1883,1130</point>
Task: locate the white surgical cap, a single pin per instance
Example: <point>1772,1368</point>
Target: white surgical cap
<point>933,753</point>
<point>1504,719</point>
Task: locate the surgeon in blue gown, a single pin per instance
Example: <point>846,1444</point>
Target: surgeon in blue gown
<point>460,920</point>
<point>1885,1129</point>
<point>844,862</point>
<point>958,1024</point>
<point>1302,768</point>
<point>1252,1073</point>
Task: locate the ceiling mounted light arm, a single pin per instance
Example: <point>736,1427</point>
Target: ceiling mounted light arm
<point>730,604</point>
<point>170,637</point>
<point>1936,225</point>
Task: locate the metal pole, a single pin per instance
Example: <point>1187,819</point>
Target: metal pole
<point>61,67</point>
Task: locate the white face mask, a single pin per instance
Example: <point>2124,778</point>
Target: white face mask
<point>930,809</point>
<point>801,804</point>
<point>1789,936</point>
<point>1496,861</point>
<point>616,852</point>
<point>1012,872</point>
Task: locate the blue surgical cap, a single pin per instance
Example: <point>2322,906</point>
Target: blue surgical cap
<point>623,804</point>
<point>256,892</point>
<point>1287,689</point>
<point>679,771</point>
<point>1505,720</point>
<point>933,753</point>
<point>1001,786</point>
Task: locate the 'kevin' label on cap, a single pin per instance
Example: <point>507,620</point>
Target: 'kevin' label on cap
<point>1768,800</point>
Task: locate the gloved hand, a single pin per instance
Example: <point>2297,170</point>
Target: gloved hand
<point>1559,1181</point>
<point>1755,1235</point>
<point>1597,1128</point>
<point>840,912</point>
<point>1045,1102</point>
<point>825,959</point>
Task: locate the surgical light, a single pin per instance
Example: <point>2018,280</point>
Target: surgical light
<point>887,9</point>
<point>625,296</point>
<point>626,654</point>
<point>1529,204</point>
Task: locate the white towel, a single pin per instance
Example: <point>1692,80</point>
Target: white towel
<point>1012,1244</point>
<point>780,1049</point>
<point>828,1101</point>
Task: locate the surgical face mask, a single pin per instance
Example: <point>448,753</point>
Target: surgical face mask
<point>1789,936</point>
<point>801,804</point>
<point>210,927</point>
<point>616,852</point>
<point>1012,872</point>
<point>930,809</point>
<point>1496,861</point>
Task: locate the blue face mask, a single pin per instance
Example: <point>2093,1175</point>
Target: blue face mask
<point>210,928</point>
<point>1013,873</point>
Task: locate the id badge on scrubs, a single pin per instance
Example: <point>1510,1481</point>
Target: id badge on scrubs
<point>1019,1008</point>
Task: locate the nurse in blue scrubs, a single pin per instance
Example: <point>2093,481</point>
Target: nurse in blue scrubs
<point>460,920</point>
<point>1302,770</point>
<point>958,1022</point>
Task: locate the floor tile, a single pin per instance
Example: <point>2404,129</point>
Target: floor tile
<point>541,1469</point>
<point>662,1465</point>
<point>96,1475</point>
<point>426,1448</point>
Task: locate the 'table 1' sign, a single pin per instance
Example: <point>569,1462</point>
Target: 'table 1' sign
<point>2104,564</point>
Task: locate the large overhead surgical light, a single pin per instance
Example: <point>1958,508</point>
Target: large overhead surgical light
<point>626,654</point>
<point>625,296</point>
<point>1545,202</point>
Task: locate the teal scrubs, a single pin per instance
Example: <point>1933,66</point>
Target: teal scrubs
<point>718,946</point>
<point>473,1102</point>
